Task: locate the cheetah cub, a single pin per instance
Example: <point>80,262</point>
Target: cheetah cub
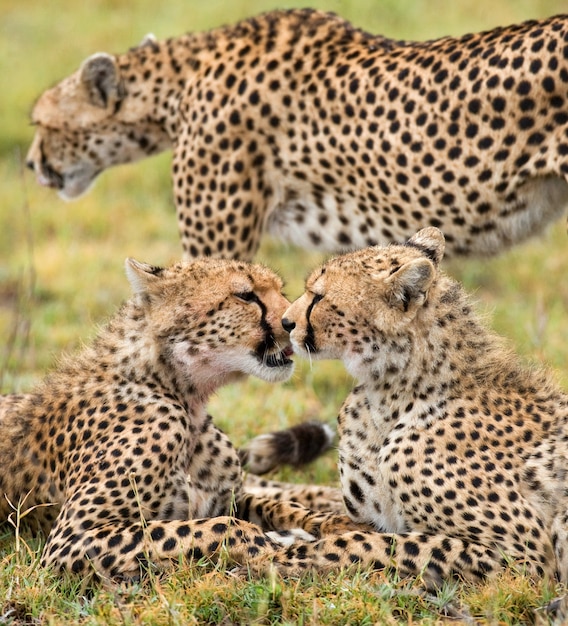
<point>455,453</point>
<point>115,457</point>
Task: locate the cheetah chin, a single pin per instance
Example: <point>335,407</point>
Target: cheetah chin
<point>273,367</point>
<point>277,359</point>
<point>75,183</point>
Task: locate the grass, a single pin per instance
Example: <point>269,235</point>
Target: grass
<point>205,595</point>
<point>61,274</point>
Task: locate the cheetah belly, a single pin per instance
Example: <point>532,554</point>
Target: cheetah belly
<point>539,202</point>
<point>331,224</point>
<point>338,224</point>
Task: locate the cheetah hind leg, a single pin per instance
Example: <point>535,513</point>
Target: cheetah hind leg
<point>125,551</point>
<point>294,446</point>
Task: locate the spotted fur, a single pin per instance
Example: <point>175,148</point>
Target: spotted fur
<point>297,124</point>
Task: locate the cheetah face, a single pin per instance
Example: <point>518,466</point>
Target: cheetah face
<point>83,127</point>
<point>215,320</point>
<point>361,307</point>
<point>57,161</point>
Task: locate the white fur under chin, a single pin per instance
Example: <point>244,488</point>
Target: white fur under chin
<point>320,355</point>
<point>208,370</point>
<point>251,365</point>
<point>76,185</point>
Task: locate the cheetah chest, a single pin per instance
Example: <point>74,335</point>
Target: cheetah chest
<point>403,479</point>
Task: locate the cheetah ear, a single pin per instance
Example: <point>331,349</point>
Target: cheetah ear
<point>101,78</point>
<point>148,40</point>
<point>407,288</point>
<point>141,276</point>
<point>430,241</point>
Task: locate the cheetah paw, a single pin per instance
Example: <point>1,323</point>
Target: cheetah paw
<point>287,538</point>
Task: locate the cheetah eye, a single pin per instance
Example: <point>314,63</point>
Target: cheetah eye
<point>247,296</point>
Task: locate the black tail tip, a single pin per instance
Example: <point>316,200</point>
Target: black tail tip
<point>296,446</point>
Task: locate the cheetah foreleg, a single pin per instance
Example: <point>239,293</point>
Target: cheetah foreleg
<point>278,515</point>
<point>118,551</point>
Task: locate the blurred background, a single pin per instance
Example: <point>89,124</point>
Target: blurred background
<point>61,264</point>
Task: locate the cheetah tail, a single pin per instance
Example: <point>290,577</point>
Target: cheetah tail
<point>294,446</point>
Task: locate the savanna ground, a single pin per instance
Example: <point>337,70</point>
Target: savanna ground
<point>61,274</point>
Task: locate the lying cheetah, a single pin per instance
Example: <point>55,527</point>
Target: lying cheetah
<point>114,455</point>
<point>297,124</point>
<point>451,450</point>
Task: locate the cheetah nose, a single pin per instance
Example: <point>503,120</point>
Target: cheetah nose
<point>287,325</point>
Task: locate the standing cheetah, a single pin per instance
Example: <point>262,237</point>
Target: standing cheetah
<point>115,457</point>
<point>297,124</point>
<point>451,450</point>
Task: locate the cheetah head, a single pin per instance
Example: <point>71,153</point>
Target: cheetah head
<point>87,123</point>
<point>211,321</point>
<point>362,307</point>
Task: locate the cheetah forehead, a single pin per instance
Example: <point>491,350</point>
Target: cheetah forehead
<point>372,261</point>
<point>64,105</point>
<point>226,275</point>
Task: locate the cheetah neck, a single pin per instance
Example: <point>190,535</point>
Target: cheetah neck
<point>446,354</point>
<point>159,77</point>
<point>154,92</point>
<point>128,349</point>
